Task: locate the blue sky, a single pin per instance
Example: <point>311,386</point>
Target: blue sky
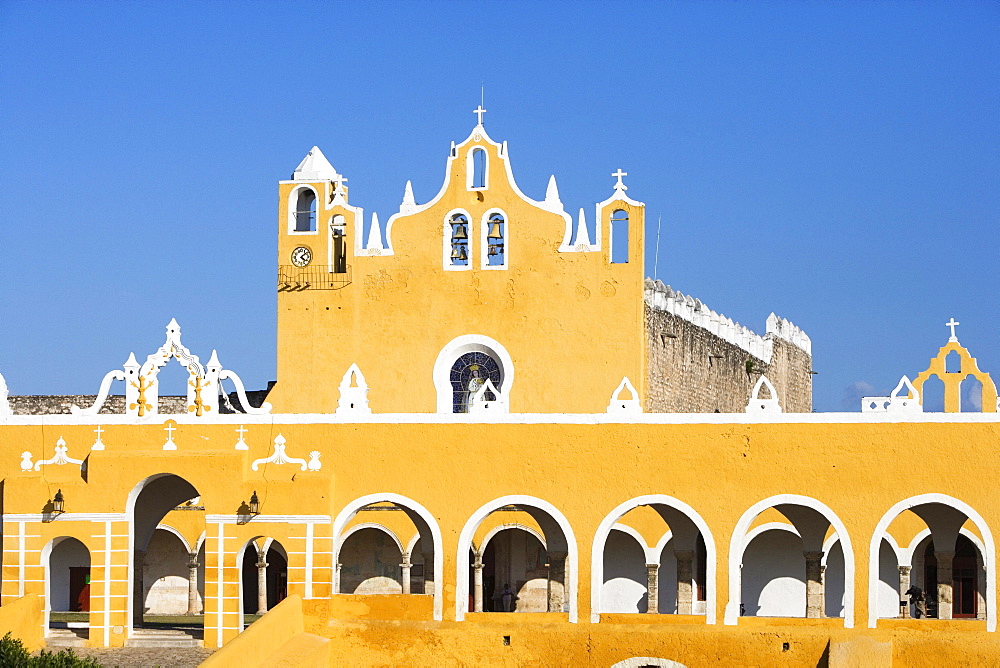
<point>836,163</point>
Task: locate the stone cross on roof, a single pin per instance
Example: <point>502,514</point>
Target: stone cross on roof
<point>951,323</point>
<point>619,174</point>
<point>479,111</point>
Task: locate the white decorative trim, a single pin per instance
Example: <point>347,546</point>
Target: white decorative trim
<point>353,399</point>
<point>776,526</point>
<point>503,527</point>
<point>912,548</point>
<point>738,544</point>
<point>374,245</point>
<point>609,521</point>
<point>352,509</point>
<point>316,167</point>
<point>372,525</point>
<point>479,405</point>
<point>650,554</point>
<point>278,456</point>
<point>241,393</point>
<point>470,169</point>
<point>65,517</point>
<point>988,552</point>
<point>292,205</point>
<point>894,403</point>
<point>258,519</point>
<point>630,406</point>
<point>26,464</point>
<point>484,241</point>
<point>241,444</point>
<point>469,531</point>
<point>4,393</point>
<point>170,529</point>
<point>457,347</point>
<point>102,393</point>
<point>59,459</point>
<point>759,405</point>
<point>640,661</point>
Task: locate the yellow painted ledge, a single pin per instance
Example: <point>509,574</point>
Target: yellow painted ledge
<point>645,618</point>
<point>504,618</point>
<point>932,625</point>
<point>814,623</point>
<point>23,618</point>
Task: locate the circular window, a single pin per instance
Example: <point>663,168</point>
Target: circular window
<point>468,374</point>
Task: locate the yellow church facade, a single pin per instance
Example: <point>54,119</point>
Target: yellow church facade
<point>462,461</point>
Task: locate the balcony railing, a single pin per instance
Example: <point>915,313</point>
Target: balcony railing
<point>295,279</point>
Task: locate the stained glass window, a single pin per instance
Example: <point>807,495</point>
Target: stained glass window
<point>468,374</point>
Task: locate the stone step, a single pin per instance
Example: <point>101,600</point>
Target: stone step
<point>162,638</point>
<point>66,637</point>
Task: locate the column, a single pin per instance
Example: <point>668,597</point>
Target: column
<point>652,588</point>
<point>904,586</point>
<point>138,600</point>
<point>685,575</point>
<point>405,568</point>
<point>557,581</point>
<point>336,580</point>
<point>428,572</point>
<point>814,584</point>
<point>944,579</point>
<point>477,584</point>
<point>261,583</point>
<point>193,605</point>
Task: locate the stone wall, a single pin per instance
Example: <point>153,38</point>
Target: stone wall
<point>115,404</point>
<point>701,362</point>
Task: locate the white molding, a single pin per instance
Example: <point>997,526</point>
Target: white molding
<point>738,544</point>
<point>503,527</point>
<point>372,525</point>
<point>170,529</point>
<point>292,204</point>
<point>650,554</point>
<point>601,537</point>
<point>351,509</point>
<point>446,236</point>
<point>641,661</point>
<point>65,517</point>
<point>484,242</point>
<point>260,519</point>
<point>456,348</point>
<point>988,552</point>
<point>469,531</point>
<point>470,168</point>
<point>773,526</point>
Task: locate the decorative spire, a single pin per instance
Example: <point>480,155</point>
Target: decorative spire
<point>214,363</point>
<point>375,234</point>
<point>619,174</point>
<point>582,235</point>
<point>315,167</point>
<point>408,200</point>
<point>552,193</point>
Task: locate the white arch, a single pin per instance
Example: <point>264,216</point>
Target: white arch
<point>468,343</point>
<point>469,531</point>
<point>372,525</point>
<point>651,553</point>
<point>292,205</point>
<point>660,544</point>
<point>832,540</point>
<point>446,233</point>
<point>915,543</point>
<point>601,537</point>
<point>470,168</point>
<point>200,543</point>
<point>739,542</point>
<point>503,527</point>
<point>988,551</point>
<point>484,244</point>
<point>170,529</point>
<point>351,509</point>
<point>413,543</point>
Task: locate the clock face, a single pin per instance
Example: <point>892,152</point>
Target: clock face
<point>301,256</point>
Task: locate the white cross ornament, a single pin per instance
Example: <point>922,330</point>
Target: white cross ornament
<point>951,323</point>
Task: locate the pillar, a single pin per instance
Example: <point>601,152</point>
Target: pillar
<point>429,573</point>
<point>405,568</point>
<point>193,604</point>
<point>652,588</point>
<point>904,586</point>
<point>336,579</point>
<point>477,584</point>
<point>557,581</point>
<point>138,588</point>
<point>261,583</point>
<point>685,575</point>
<point>944,579</point>
<point>814,584</point>
<point>980,587</point>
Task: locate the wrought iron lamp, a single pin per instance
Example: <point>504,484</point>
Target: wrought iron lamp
<point>254,504</point>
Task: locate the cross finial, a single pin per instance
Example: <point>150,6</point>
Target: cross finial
<point>619,174</point>
<point>951,323</point>
<point>479,111</point>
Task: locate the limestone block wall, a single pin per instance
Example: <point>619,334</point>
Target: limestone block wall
<point>115,403</point>
<point>698,361</point>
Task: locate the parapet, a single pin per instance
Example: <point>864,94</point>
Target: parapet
<point>664,298</point>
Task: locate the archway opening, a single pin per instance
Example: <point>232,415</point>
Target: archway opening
<point>68,588</point>
<point>515,572</point>
<point>167,500</point>
<point>370,563</point>
<point>263,577</point>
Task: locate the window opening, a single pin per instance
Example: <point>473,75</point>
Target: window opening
<point>305,211</point>
<point>338,238</point>
<point>952,362</point>
<point>478,168</point>
<point>468,375</point>
<point>459,240</point>
<point>701,567</point>
<point>496,255</point>
<point>619,237</point>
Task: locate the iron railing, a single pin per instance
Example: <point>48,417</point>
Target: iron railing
<point>295,279</point>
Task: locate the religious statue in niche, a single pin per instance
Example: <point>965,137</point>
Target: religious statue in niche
<point>468,375</point>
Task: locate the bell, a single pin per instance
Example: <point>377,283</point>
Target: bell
<point>455,254</point>
<point>462,255</point>
<point>460,231</point>
<point>495,232</point>
<point>493,249</point>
